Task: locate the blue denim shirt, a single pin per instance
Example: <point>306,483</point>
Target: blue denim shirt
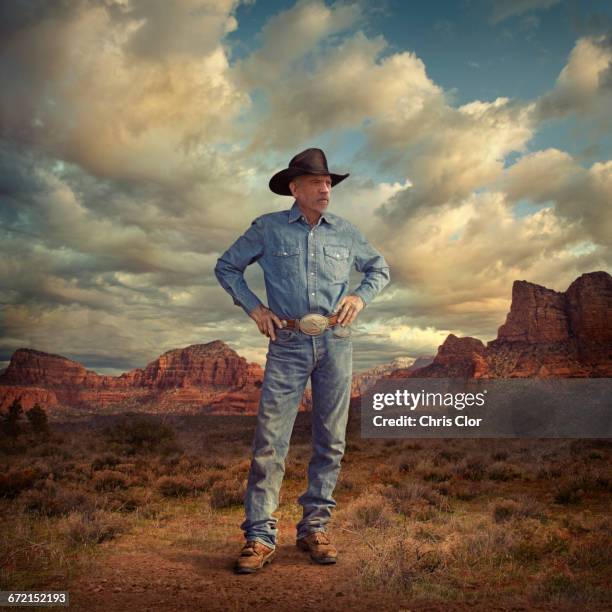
<point>306,268</point>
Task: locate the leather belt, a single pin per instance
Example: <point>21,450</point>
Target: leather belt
<point>312,324</point>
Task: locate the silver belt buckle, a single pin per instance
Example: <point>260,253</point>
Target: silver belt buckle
<point>313,324</point>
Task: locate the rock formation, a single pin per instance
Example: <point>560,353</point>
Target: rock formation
<point>210,377</point>
<point>546,334</point>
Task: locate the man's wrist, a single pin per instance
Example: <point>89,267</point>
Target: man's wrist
<point>363,302</point>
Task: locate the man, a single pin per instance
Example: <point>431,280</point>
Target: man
<point>306,254</point>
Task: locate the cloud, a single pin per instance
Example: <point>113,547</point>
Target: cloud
<point>345,86</point>
<point>579,194</point>
<point>291,34</point>
<point>584,86</point>
<point>504,9</point>
<point>448,153</point>
<point>186,28</point>
<point>81,89</point>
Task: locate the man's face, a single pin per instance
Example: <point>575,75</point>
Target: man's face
<point>312,192</point>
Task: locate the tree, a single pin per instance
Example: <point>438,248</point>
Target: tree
<point>37,417</point>
<point>10,420</point>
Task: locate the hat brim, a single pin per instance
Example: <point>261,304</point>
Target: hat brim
<point>279,183</point>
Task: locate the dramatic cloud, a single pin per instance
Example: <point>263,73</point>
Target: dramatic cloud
<point>579,194</point>
<point>344,86</point>
<point>448,153</point>
<point>584,86</point>
<point>88,89</point>
<point>134,151</point>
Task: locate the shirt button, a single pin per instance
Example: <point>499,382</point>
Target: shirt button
<point>312,274</point>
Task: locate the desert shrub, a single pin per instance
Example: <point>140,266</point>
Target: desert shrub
<point>370,509</point>
<point>415,498</point>
<point>549,472</point>
<point>592,554</point>
<point>502,471</point>
<point>92,528</point>
<point>127,501</point>
<point>569,492</point>
<point>141,435</point>
<point>174,486</point>
<point>471,468</point>
<point>486,544</point>
<point>27,553</point>
<point>465,491</point>
<point>210,477</point>
<point>228,492</point>
<point>436,475</point>
<point>523,507</point>
<point>49,499</point>
<point>15,481</point>
<point>398,564</point>
<point>109,480</point>
<point>106,460</point>
<point>444,457</point>
<point>345,483</point>
<point>405,466</point>
<point>242,467</point>
<point>559,587</point>
<point>505,510</point>
<point>499,456</point>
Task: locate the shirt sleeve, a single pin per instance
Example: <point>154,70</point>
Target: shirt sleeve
<point>369,261</point>
<point>231,265</point>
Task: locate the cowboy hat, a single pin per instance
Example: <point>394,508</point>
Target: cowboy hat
<point>310,161</point>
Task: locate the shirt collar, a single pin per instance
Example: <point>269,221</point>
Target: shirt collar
<point>295,213</point>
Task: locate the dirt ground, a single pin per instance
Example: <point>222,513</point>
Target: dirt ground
<point>136,573</point>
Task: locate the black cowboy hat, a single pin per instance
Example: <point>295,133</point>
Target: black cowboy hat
<point>310,161</point>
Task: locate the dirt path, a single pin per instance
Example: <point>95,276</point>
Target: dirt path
<point>135,573</point>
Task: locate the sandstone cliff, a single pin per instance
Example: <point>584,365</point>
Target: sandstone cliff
<point>546,334</point>
<point>210,377</point>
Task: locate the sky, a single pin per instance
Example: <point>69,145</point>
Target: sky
<point>137,139</point>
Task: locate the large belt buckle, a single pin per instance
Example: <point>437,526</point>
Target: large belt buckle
<point>313,324</point>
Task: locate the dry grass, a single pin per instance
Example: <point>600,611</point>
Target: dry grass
<point>449,522</point>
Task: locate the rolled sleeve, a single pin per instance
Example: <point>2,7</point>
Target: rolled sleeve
<point>374,266</point>
<point>232,264</point>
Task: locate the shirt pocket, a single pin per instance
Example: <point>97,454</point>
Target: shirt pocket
<point>286,260</point>
<point>337,261</point>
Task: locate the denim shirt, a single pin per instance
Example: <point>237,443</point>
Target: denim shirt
<point>306,268</point>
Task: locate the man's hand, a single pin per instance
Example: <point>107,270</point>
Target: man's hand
<point>266,320</point>
<point>348,308</point>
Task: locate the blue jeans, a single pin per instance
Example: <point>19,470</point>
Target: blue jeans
<point>291,359</point>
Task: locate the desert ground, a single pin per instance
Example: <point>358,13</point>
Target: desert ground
<point>143,513</point>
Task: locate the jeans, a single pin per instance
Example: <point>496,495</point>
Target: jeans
<point>291,359</point>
